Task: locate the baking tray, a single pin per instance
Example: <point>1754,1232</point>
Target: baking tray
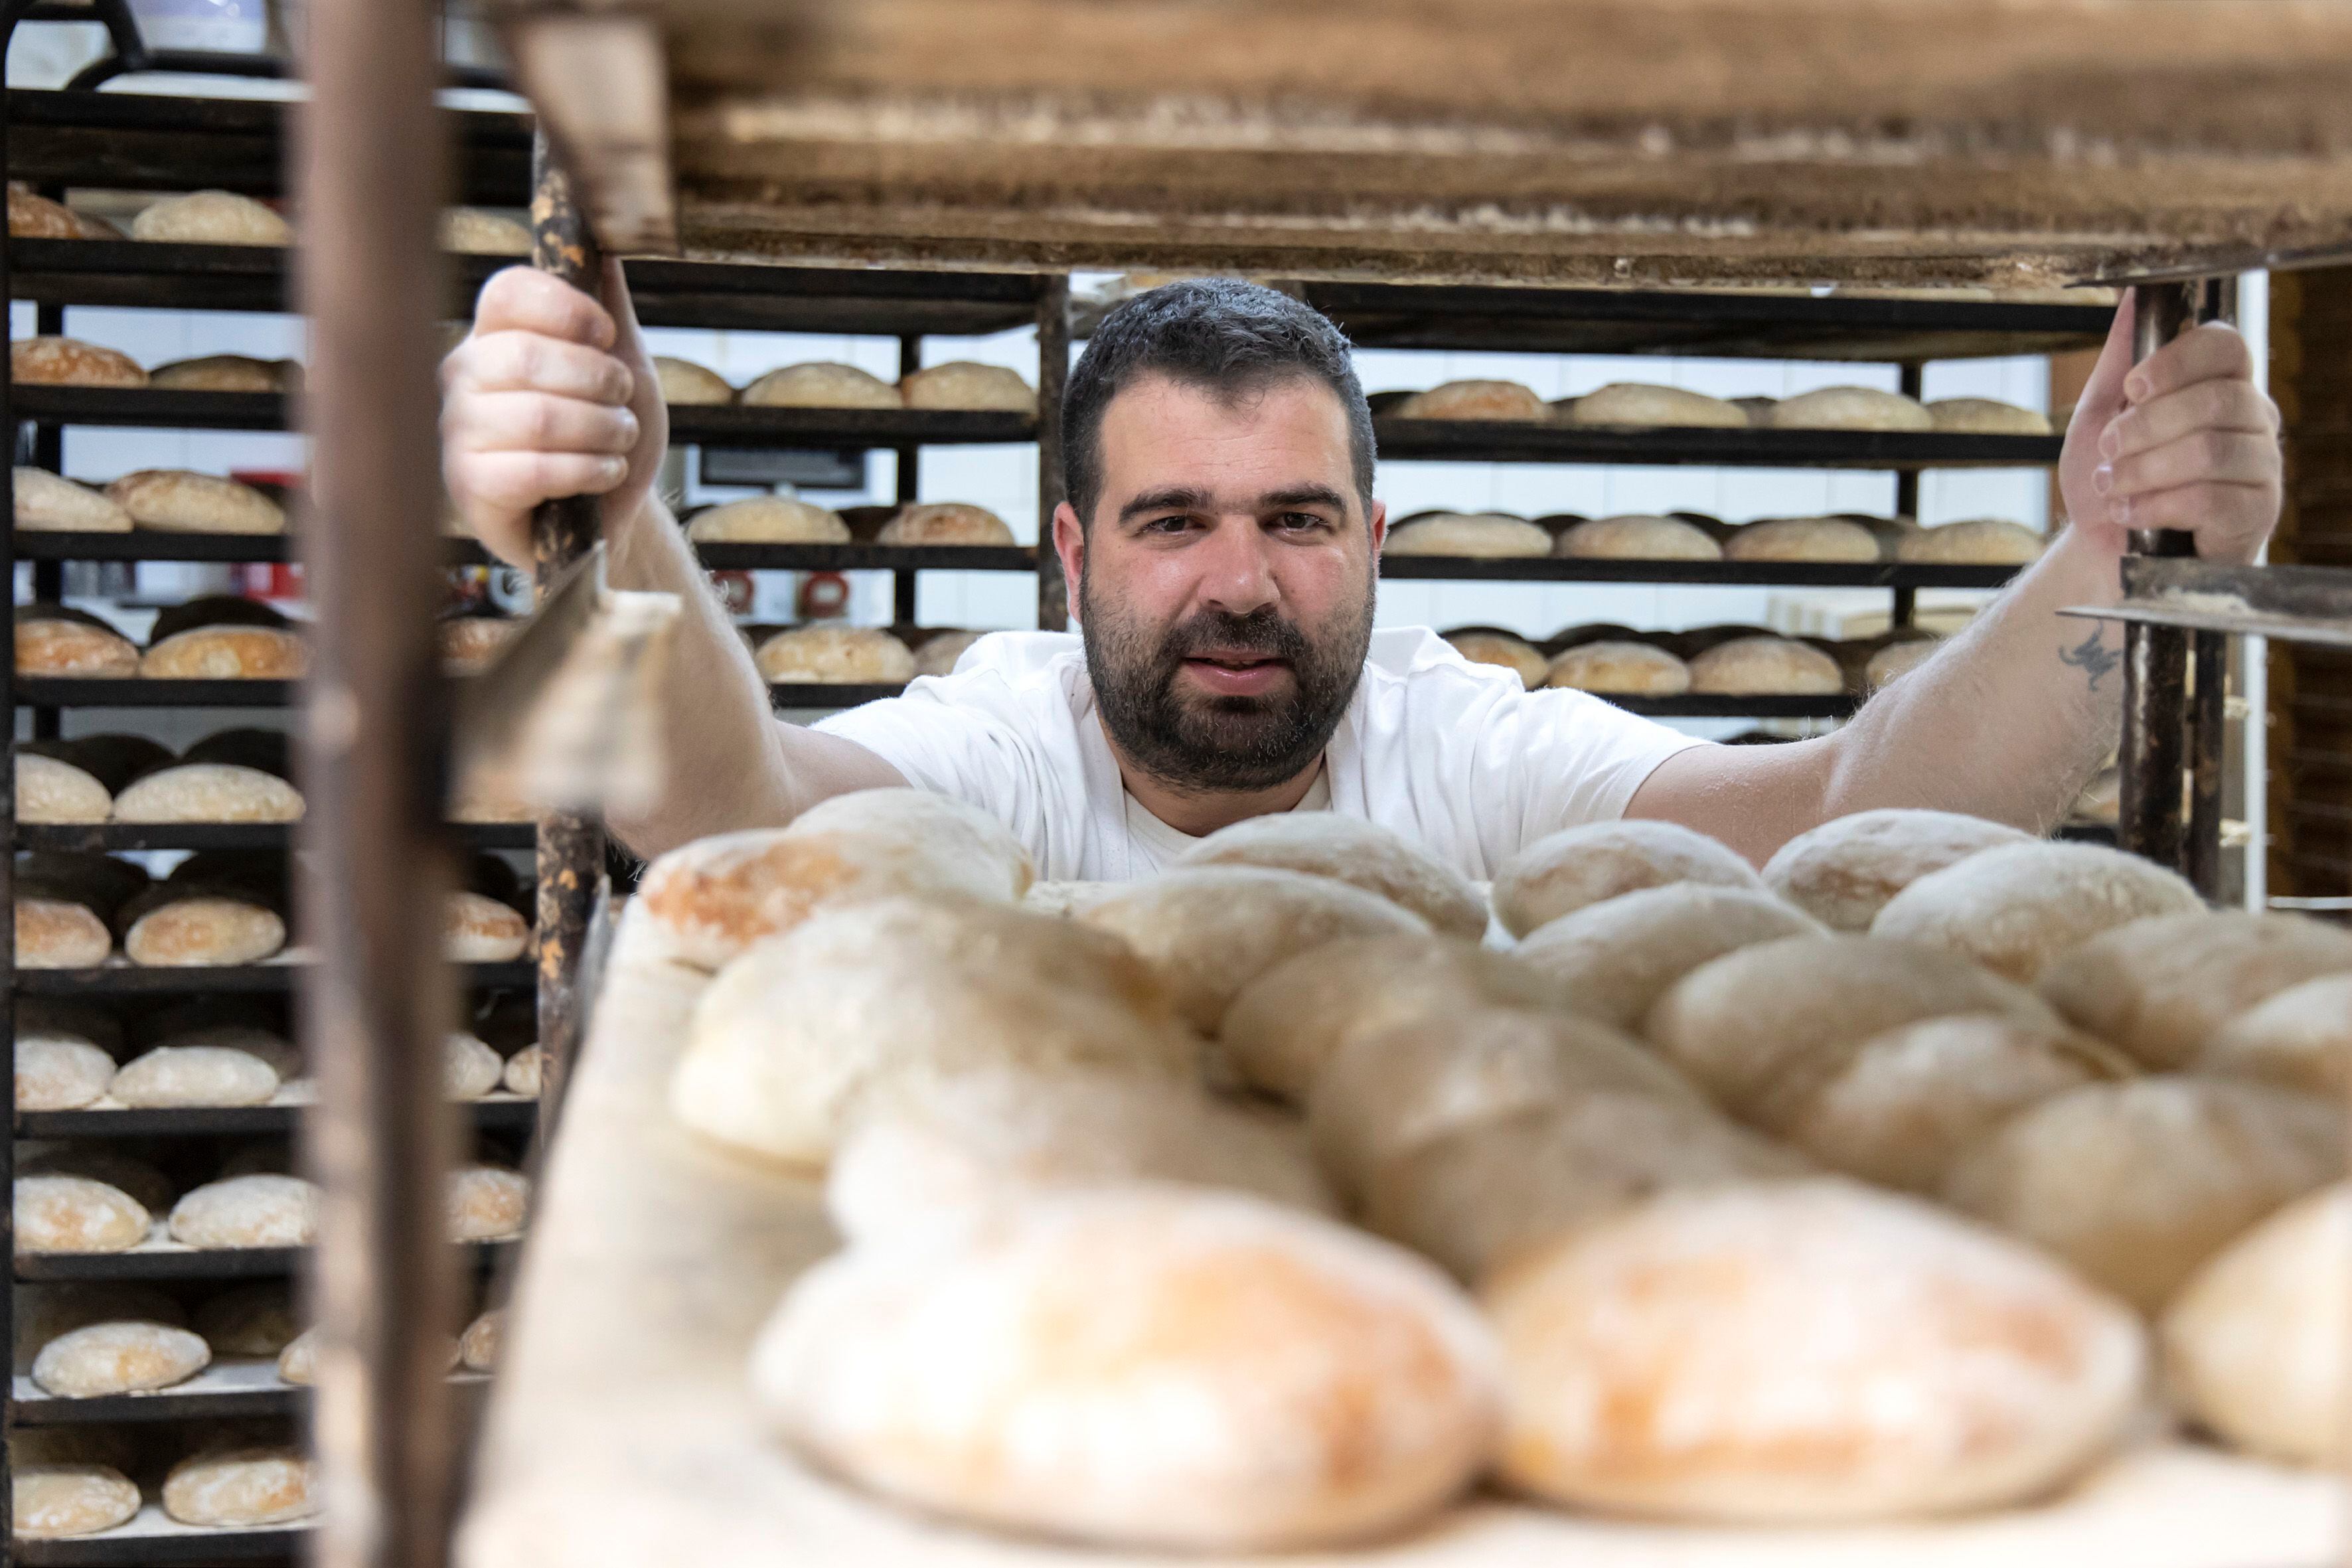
<point>621,1430</point>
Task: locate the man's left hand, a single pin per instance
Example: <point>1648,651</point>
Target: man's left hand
<point>2183,440</point>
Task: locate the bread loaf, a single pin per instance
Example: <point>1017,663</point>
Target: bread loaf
<point>70,362</point>
<point>1802,539</point>
<point>37,218</point>
<point>1352,850</point>
<point>939,1152</point>
<point>1806,1352</point>
<point>470,1068</point>
<point>2014,907</point>
<point>1474,400</point>
<point>74,1214</point>
<point>46,1312</point>
<point>855,998</point>
<point>54,641</point>
<point>192,925</point>
<point>51,503</point>
<point>1766,667</point>
<point>209,791</point>
<point>767,520</point>
<point>1333,1388</point>
<point>246,1487</point>
<point>820,386</point>
<point>211,218</point>
<point>297,1363</point>
<point>470,231</point>
<point>1844,871</point>
<point>227,653</point>
<point>1986,417</point>
<point>147,1186</point>
<point>118,1358</point>
<point>477,1347</point>
<point>2254,1345</point>
<point>1896,660</point>
<point>711,900</point>
<point>227,372</point>
<point>1636,405</point>
<point>523,1072</point>
<point>2299,1038</point>
<point>259,1210</point>
<point>1619,669</point>
<point>1479,536</point>
<point>175,500</point>
<point>1849,408</point>
<point>1636,537</point>
<point>480,930</point>
<point>60,934</point>
<point>685,383</point>
<point>51,1501</point>
<point>56,1071</point>
<point>960,384</point>
<point>937,654</point>
<point>470,643</point>
<point>1981,542</point>
<point>945,523</point>
<point>2138,1184</point>
<point>1207,931</point>
<point>249,1321</point>
<point>487,1203</point>
<point>1502,650</point>
<point>1564,871</point>
<point>822,654</point>
<point>1612,960</point>
<point>196,1074</point>
<point>50,789</point>
<point>2161,987</point>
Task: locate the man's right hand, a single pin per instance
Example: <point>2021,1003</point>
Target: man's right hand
<point>551,394</point>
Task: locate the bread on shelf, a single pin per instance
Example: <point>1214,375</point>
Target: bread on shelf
<point>51,503</point>
<point>1639,406</point>
<point>105,1359</point>
<point>37,218</point>
<point>1986,417</point>
<point>1636,537</point>
<point>767,520</point>
<point>1765,667</point>
<point>227,373</point>
<point>70,362</point>
<point>831,654</point>
<point>1476,535</point>
<point>1804,539</point>
<point>1849,408</point>
<point>1617,667</point>
<point>54,641</point>
<point>175,500</point>
<point>938,653</point>
<point>1474,400</point>
<point>686,385</point>
<point>76,1213</point>
<point>1504,650</point>
<point>263,1209</point>
<point>470,231</point>
<point>1978,541</point>
<point>965,385</point>
<point>242,1487</point>
<point>211,218</point>
<point>822,384</point>
<point>234,775</point>
<point>945,523</point>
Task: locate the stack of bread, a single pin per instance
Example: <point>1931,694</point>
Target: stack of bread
<point>1844,1189</point>
<point>1844,538</point>
<point>70,1481</point>
<point>217,637</point>
<point>168,500</point>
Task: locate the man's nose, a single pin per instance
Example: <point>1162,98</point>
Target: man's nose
<point>1238,569</point>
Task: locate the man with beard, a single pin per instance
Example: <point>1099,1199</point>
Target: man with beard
<point>1222,533</point>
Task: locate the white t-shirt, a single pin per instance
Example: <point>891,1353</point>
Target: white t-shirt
<point>1455,756</point>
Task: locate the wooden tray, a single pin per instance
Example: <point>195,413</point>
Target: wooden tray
<point>621,1432</point>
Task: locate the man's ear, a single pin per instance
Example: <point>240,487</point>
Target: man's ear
<point>1070,544</point>
<point>1380,526</point>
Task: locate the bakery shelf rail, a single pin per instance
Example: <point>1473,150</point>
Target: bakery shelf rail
<point>155,1541</point>
<point>110,836</point>
<point>223,1390</point>
<point>153,1261</point>
<point>503,1113</point>
<point>131,980</point>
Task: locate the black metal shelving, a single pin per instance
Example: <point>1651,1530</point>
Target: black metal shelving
<point>132,980</point>
<point>1528,441</point>
<point>153,1262</point>
<point>222,1391</point>
<point>502,1114</point>
<point>122,835</point>
<point>157,1543</point>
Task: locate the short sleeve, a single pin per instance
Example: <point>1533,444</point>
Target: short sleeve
<point>955,749</point>
<point>1553,759</point>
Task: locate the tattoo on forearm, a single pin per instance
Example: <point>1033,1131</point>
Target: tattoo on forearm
<point>2092,656</point>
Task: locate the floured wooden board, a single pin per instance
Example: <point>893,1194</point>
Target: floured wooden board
<point>621,1432</point>
<point>2005,142</point>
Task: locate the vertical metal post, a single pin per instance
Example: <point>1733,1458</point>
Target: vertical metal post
<point>2202,848</point>
<point>570,848</point>
<point>910,485</point>
<point>2154,749</point>
<point>371,176</point>
<point>1905,609</point>
<point>13,13</point>
<point>1053,377</point>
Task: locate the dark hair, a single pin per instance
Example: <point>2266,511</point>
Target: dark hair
<point>1221,334</point>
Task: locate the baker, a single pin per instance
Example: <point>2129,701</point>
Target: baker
<point>1223,538</point>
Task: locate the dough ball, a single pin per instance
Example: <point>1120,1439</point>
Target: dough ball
<point>1844,871</point>
<point>1333,1389</point>
<point>1612,961</point>
<point>470,1068</point>
<point>52,1500</point>
<point>1565,871</point>
<point>250,1320</point>
<point>196,1074</point>
<point>487,1203</point>
<point>1804,1352</point>
<point>247,1211</point>
<point>118,1358</point>
<point>2300,1038</point>
<point>2016,907</point>
<point>244,1487</point>
<point>2138,1184</point>
<point>59,1072</point>
<point>1361,854</point>
<point>74,1214</point>
<point>2161,987</point>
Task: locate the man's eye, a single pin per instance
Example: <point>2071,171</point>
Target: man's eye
<point>1301,521</point>
<point>1174,524</point>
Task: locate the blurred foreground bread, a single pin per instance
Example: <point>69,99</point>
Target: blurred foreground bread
<point>470,231</point>
<point>2300,1038</point>
<point>1803,1352</point>
<point>1849,408</point>
<point>1766,667</point>
<point>483,930</point>
<point>820,386</point>
<point>1636,537</point>
<point>2161,987</point>
<point>1332,1388</point>
<point>1638,405</point>
<point>52,640</point>
<point>51,503</point>
<point>487,1203</point>
<point>1502,650</point>
<point>2014,907</point>
<point>1802,539</point>
<point>70,362</point>
<point>211,218</point>
<point>1474,400</point>
<point>1480,535</point>
<point>175,500</point>
<point>1350,849</point>
<point>1564,871</point>
<point>825,655</point>
<point>1620,670</point>
<point>1980,541</point>
<point>686,385</point>
<point>945,523</point>
<point>963,384</point>
<point>767,520</point>
<point>1844,872</point>
<point>1612,961</point>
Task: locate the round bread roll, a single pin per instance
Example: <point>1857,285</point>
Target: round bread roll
<point>820,386</point>
<point>1910,1100</point>
<point>1896,660</point>
<point>524,1071</point>
<point>297,1363</point>
<point>1980,541</point>
<point>118,1358</point>
<point>250,1320</point>
<point>1564,871</point>
<point>1803,1352</point>
<point>477,1347</point>
<point>487,1203</point>
<point>767,520</point>
<point>1503,651</point>
<point>470,231</point>
<point>1986,417</point>
<point>1612,960</point>
<point>1480,535</point>
<point>470,1068</point>
<point>1067,900</point>
<point>53,934</point>
<point>2161,987</point>
<point>939,1152</point>
<point>1637,405</point>
<point>687,384</point>
<point>1802,539</point>
<point>70,362</point>
<point>209,791</point>
<point>211,218</point>
<point>227,653</point>
<point>1620,670</point>
<point>830,656</point>
<point>2138,1184</point>
<point>1762,1026</point>
<point>481,930</point>
<point>1474,400</point>
<point>37,218</point>
<point>945,523</point>
<point>51,503</point>
<point>241,1487</point>
<point>939,652</point>
<point>1766,667</point>
<point>468,643</point>
<point>50,1502</point>
<point>147,1186</point>
<point>45,1312</point>
<point>867,996</point>
<point>56,642</point>
<point>2014,907</point>
<point>1292,1019</point>
<point>2254,1345</point>
<point>58,1071</point>
<point>75,1214</point>
<point>175,500</point>
<point>1352,850</point>
<point>1209,930</point>
<point>196,1074</point>
<point>1333,1388</point>
<point>2299,1038</point>
<point>1849,408</point>
<point>1844,871</point>
<point>1636,537</point>
<point>963,384</point>
<point>197,927</point>
<point>224,373</point>
<point>261,1210</point>
<point>711,900</point>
